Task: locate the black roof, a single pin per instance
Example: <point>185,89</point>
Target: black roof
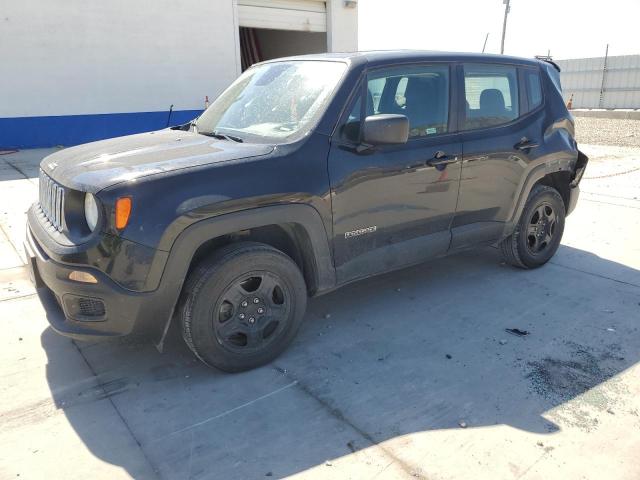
<point>386,56</point>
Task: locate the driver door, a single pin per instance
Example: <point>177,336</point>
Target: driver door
<point>392,205</point>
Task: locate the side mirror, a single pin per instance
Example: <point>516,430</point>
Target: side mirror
<point>385,129</point>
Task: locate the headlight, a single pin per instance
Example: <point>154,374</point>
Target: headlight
<point>91,211</point>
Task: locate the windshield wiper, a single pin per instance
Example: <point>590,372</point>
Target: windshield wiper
<point>222,136</point>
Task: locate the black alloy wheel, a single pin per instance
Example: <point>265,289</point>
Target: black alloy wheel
<point>541,228</point>
<point>242,306</point>
<point>537,235</point>
<point>251,312</point>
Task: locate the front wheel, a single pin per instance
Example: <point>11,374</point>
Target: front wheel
<point>243,306</point>
<point>537,235</point>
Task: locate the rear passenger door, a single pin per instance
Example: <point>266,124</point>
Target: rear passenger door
<point>501,124</point>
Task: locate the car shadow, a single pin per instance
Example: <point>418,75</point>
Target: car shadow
<point>412,351</point>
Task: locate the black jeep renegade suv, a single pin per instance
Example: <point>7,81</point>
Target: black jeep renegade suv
<point>305,174</point>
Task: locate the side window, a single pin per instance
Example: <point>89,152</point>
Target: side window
<point>491,95</point>
<point>534,89</point>
<point>421,93</point>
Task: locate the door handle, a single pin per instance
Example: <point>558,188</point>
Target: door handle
<point>441,158</point>
<point>525,144</point>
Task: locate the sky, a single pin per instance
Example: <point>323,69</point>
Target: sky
<point>568,28</point>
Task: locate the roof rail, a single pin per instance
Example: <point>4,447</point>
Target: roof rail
<point>547,58</point>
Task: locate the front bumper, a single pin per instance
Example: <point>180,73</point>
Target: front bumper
<point>113,310</point>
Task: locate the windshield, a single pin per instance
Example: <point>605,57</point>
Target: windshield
<point>274,102</point>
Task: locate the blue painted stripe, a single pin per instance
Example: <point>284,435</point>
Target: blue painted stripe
<point>34,132</point>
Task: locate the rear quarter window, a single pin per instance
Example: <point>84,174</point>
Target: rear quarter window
<point>534,89</point>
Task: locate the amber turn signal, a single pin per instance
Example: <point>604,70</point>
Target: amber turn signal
<point>123,211</point>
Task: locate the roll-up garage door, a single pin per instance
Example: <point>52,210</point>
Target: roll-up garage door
<point>300,15</point>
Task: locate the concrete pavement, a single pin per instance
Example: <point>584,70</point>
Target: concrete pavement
<point>406,375</point>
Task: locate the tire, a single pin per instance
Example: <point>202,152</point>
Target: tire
<point>537,235</point>
<point>223,326</point>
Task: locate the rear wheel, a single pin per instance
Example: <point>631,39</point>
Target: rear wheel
<point>243,306</point>
<point>538,233</point>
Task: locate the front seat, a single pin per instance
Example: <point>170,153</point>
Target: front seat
<point>421,104</point>
<point>492,103</point>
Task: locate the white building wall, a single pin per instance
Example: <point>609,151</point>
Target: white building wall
<point>80,57</point>
<point>73,71</point>
<point>342,26</point>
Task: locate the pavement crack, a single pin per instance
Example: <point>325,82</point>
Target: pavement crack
<point>535,462</point>
<point>595,274</point>
<point>227,412</point>
<point>611,203</point>
<point>10,242</point>
<point>16,168</point>
<point>26,295</point>
<point>338,415</point>
<point>115,408</point>
<point>600,194</point>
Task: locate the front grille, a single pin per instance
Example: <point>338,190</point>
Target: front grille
<point>51,200</point>
<point>91,307</point>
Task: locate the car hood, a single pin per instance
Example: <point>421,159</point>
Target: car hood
<point>94,166</point>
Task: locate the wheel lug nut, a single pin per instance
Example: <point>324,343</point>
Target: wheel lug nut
<point>244,303</point>
<point>241,316</point>
<point>261,310</point>
<point>256,300</point>
<point>252,320</point>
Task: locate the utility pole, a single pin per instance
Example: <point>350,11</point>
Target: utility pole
<point>604,75</point>
<point>504,24</point>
